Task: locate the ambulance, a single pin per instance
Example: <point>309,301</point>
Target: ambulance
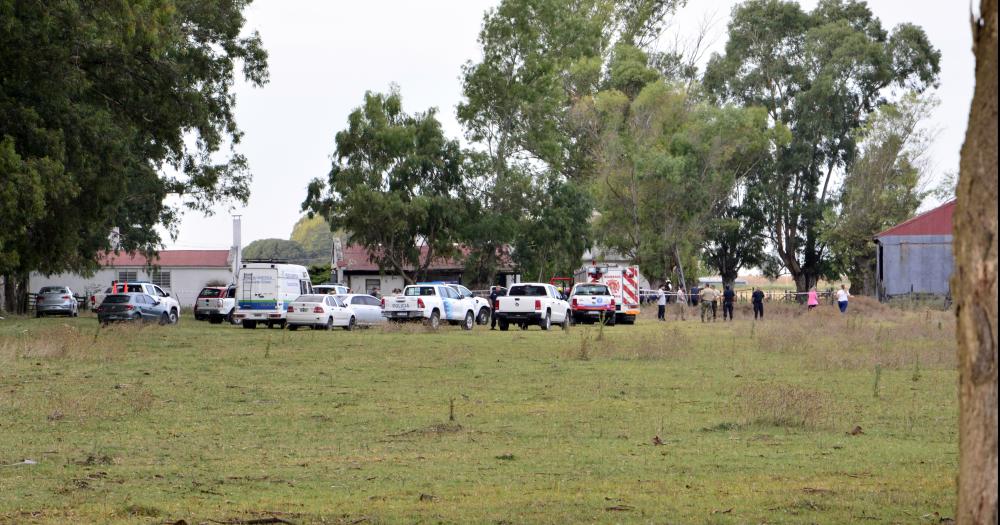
<point>622,281</point>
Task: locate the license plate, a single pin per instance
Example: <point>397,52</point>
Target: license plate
<point>303,310</point>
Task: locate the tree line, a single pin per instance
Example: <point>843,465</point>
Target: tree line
<point>795,145</point>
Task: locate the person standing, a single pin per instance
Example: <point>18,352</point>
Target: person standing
<point>661,303</point>
<point>812,298</point>
<point>842,296</point>
<point>494,293</point>
<point>728,298</point>
<point>681,303</point>
<point>758,303</point>
<point>709,298</point>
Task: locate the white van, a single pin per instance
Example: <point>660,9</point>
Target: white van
<point>264,290</point>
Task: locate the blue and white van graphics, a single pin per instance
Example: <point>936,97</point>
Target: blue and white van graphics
<point>264,290</point>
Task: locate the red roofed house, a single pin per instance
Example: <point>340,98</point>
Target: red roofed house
<point>183,273</point>
<point>356,270</point>
<point>915,255</point>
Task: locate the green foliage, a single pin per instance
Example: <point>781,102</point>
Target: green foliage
<point>551,240</point>
<point>314,236</point>
<point>278,249</point>
<point>394,185</point>
<point>108,108</point>
<point>882,187</point>
<point>820,73</point>
<point>320,273</point>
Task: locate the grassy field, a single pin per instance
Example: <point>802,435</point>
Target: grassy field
<point>804,418</point>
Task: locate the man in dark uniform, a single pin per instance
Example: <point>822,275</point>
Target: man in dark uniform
<point>728,298</point>
<point>758,303</point>
<point>494,293</point>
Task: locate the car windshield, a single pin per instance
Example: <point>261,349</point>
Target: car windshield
<point>54,289</point>
<point>527,291</point>
<point>117,299</point>
<point>419,291</point>
<point>591,289</point>
<point>309,299</point>
<point>210,292</point>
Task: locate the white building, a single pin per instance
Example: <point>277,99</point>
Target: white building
<point>181,272</point>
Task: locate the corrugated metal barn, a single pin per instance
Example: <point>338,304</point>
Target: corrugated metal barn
<point>915,256</point>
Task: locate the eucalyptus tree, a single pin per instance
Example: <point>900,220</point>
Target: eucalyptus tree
<point>820,73</point>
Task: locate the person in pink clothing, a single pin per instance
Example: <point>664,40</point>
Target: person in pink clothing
<point>813,298</point>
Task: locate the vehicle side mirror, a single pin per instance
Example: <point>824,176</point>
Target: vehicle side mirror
<point>166,294</point>
<point>473,294</point>
<point>156,303</point>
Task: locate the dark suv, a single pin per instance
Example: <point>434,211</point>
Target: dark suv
<point>132,307</point>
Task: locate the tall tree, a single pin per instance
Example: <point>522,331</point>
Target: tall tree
<point>882,187</point>
<point>974,284</point>
<point>821,73</point>
<point>315,237</point>
<point>277,249</point>
<point>394,186</point>
<point>107,109</point>
<point>734,236</point>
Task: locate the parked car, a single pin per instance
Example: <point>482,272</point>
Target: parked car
<point>367,309</point>
<point>483,308</point>
<point>320,312</point>
<point>531,303</point>
<point>431,303</point>
<point>133,307</point>
<point>331,288</point>
<point>173,307</point>
<point>56,300</point>
<point>592,302</point>
<point>215,304</point>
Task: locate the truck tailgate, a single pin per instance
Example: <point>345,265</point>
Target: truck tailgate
<point>510,304</point>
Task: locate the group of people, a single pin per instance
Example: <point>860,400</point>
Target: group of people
<point>709,297</point>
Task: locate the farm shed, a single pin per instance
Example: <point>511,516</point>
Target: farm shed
<point>915,255</point>
<point>183,273</point>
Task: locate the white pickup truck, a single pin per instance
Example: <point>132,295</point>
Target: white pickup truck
<point>173,307</point>
<point>431,303</point>
<point>531,303</point>
<point>591,303</point>
<point>483,307</point>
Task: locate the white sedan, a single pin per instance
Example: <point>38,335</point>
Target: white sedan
<point>367,309</point>
<point>320,312</point>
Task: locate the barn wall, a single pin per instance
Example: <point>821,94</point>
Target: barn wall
<point>185,283</point>
<point>917,263</point>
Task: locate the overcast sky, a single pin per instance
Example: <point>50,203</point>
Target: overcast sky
<point>324,55</point>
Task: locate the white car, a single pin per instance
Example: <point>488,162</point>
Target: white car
<point>483,307</point>
<point>320,312</point>
<point>367,309</point>
<point>431,303</point>
<point>335,289</point>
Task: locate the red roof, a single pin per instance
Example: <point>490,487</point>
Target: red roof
<point>356,258</point>
<point>934,222</point>
<point>170,258</point>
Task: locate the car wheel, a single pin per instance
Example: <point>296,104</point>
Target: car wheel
<point>352,323</point>
<point>165,319</point>
<point>435,320</point>
<point>484,316</point>
<point>469,322</point>
<point>329,323</point>
<point>546,321</point>
<point>174,317</point>
<point>566,321</point>
<point>229,317</point>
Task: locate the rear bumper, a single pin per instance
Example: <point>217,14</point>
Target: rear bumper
<point>259,315</point>
<point>403,315</point>
<point>109,318</point>
<point>54,308</point>
<point>518,317</point>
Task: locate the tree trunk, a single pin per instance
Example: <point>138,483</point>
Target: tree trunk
<point>974,285</point>
<point>15,293</point>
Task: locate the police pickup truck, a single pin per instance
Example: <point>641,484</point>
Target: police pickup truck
<point>592,302</point>
<point>431,303</point>
<point>531,303</point>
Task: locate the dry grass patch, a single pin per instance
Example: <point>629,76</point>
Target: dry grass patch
<point>659,344</point>
<point>781,406</point>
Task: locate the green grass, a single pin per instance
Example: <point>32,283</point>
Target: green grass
<point>202,422</point>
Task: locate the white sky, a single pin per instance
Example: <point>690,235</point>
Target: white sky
<point>324,55</point>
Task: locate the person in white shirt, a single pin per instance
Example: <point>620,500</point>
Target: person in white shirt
<point>842,296</point>
<point>661,304</point>
<point>681,303</point>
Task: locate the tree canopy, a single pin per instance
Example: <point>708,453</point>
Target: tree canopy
<point>106,110</point>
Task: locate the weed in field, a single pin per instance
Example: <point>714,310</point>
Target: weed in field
<point>781,405</point>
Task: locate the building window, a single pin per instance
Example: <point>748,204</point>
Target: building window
<point>160,278</point>
<point>128,276</point>
<point>372,284</point>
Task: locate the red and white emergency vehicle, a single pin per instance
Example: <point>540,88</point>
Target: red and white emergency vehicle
<point>622,282</point>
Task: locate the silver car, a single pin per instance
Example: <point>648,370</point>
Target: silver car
<point>56,300</point>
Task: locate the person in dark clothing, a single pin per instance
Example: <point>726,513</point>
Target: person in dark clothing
<point>494,293</point>
<point>695,295</point>
<point>728,298</point>
<point>758,303</point>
